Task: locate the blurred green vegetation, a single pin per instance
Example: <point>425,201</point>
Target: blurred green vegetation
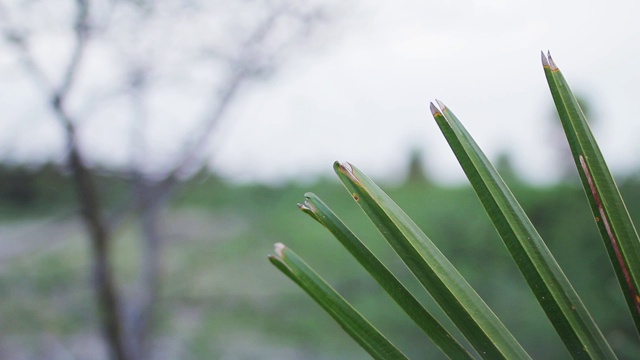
<point>222,299</point>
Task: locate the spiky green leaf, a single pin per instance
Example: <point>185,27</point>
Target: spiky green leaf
<point>365,334</point>
<point>318,210</point>
<point>610,213</point>
<point>538,266</point>
<point>453,294</point>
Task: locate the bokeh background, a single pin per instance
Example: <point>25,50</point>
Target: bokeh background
<point>151,153</point>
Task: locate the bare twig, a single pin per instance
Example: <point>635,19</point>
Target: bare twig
<point>244,67</point>
<point>127,332</point>
<point>152,195</point>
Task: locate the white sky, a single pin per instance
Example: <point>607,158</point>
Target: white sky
<point>363,96</point>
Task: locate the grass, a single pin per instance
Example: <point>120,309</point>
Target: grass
<point>218,288</point>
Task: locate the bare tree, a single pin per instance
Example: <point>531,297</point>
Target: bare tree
<point>244,51</point>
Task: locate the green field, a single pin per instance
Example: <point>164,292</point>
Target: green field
<point>221,299</point>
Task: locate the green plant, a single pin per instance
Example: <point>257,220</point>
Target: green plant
<point>475,320</point>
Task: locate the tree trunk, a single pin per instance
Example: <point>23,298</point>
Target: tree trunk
<point>151,201</point>
<point>103,279</point>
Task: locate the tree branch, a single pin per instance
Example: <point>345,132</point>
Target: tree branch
<point>88,197</point>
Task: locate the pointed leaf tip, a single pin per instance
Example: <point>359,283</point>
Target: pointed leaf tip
<point>307,206</point>
<point>441,105</point>
<point>552,65</point>
<point>434,110</point>
<point>545,62</point>
<point>347,169</point>
<point>279,249</point>
<point>339,165</point>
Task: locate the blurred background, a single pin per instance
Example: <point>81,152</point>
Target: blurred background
<point>151,153</point>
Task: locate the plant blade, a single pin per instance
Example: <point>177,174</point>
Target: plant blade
<point>318,210</point>
<point>552,289</point>
<point>349,319</point>
<point>453,294</point>
<point>610,213</point>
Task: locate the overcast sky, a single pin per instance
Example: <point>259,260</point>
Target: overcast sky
<point>362,95</point>
<point>365,98</point>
